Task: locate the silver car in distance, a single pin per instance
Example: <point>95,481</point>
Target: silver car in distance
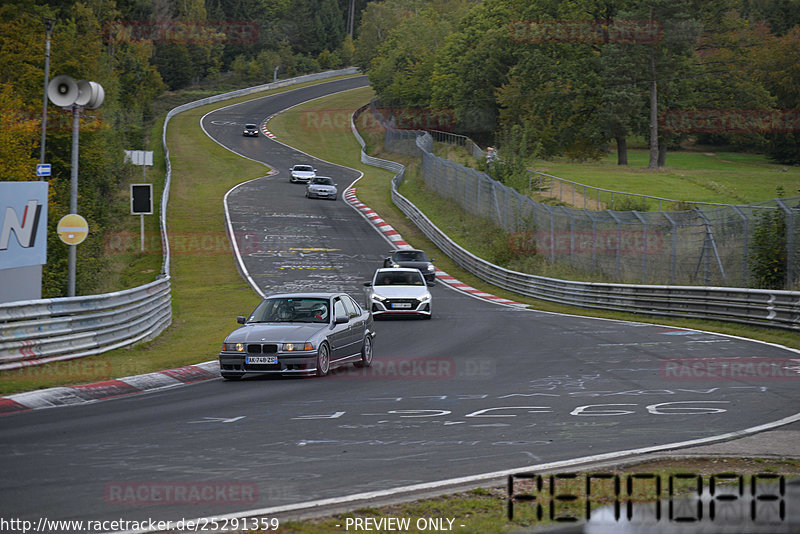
<point>321,187</point>
<point>299,334</point>
<point>399,291</point>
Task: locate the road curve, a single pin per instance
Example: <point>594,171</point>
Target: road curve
<point>479,388</point>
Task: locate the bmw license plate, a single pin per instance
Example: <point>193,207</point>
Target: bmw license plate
<point>262,359</point>
<point>401,305</point>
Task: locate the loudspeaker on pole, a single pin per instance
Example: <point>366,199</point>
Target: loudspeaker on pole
<point>90,94</point>
<point>62,91</point>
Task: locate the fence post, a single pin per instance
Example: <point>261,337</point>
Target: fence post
<point>644,245</point>
<point>571,234</point>
<point>552,232</point>
<point>745,251</point>
<point>713,245</point>
<point>619,237</point>
<point>789,243</point>
<point>594,238</point>
<point>673,254</point>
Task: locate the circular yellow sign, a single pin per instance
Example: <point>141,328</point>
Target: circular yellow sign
<point>72,229</point>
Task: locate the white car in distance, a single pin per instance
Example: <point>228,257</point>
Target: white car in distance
<point>302,173</point>
<point>399,291</point>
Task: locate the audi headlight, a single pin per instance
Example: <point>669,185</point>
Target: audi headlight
<point>424,298</point>
<point>378,297</point>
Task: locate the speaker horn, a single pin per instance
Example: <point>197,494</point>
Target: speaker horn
<point>90,94</point>
<point>62,91</point>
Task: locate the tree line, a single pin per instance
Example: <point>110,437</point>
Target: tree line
<point>544,78</point>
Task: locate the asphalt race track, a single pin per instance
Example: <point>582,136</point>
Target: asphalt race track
<point>479,388</point>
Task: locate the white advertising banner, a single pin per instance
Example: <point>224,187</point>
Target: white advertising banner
<point>23,224</point>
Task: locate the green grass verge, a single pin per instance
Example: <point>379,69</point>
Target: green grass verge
<point>207,290</point>
<point>724,177</point>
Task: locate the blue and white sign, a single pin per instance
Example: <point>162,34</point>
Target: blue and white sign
<point>23,224</point>
<point>42,169</point>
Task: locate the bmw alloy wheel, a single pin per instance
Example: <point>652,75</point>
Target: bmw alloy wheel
<point>366,353</point>
<point>323,360</point>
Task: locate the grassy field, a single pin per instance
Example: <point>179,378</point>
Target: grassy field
<point>694,176</point>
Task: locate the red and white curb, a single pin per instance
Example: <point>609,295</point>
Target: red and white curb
<point>264,129</point>
<point>394,236</point>
<point>109,389</point>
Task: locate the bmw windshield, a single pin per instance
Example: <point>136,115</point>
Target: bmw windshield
<point>291,310</point>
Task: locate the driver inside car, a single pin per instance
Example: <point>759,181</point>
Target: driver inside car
<point>319,311</point>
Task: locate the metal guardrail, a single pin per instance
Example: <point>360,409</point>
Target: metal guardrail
<point>756,307</point>
<point>47,330</point>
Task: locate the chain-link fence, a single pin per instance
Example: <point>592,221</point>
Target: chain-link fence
<point>741,246</point>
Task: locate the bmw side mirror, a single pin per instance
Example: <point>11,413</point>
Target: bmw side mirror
<point>341,319</point>
<point>241,319</point>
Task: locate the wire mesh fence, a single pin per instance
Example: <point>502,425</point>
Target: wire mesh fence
<point>713,245</point>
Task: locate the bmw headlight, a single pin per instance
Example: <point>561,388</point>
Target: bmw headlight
<point>233,347</point>
<point>431,267</point>
<point>293,347</point>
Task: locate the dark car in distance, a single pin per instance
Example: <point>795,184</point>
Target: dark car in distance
<point>415,259</point>
<point>299,334</point>
<point>250,130</point>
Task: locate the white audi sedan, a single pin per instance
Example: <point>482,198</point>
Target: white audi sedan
<point>399,291</point>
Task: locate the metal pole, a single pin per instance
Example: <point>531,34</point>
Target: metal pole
<point>48,27</point>
<point>73,196</point>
